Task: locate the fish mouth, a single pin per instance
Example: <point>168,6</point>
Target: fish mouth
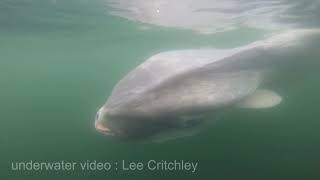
<point>103,129</point>
<point>100,124</point>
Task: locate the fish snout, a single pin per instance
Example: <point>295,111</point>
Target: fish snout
<point>101,122</point>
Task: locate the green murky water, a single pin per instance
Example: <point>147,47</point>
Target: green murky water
<point>59,61</point>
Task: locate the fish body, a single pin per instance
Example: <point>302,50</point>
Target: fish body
<point>157,95</point>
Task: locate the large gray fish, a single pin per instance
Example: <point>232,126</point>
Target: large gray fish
<point>170,90</point>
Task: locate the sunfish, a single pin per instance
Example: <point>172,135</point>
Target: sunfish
<point>171,90</point>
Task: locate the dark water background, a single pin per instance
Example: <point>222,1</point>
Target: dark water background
<point>59,60</point>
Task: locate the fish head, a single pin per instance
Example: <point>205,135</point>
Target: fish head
<point>145,129</point>
<point>121,126</point>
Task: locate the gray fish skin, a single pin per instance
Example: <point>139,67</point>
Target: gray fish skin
<point>153,97</point>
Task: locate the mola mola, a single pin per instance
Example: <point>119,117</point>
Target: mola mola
<point>170,90</point>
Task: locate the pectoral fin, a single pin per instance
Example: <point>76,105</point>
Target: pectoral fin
<point>261,99</point>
